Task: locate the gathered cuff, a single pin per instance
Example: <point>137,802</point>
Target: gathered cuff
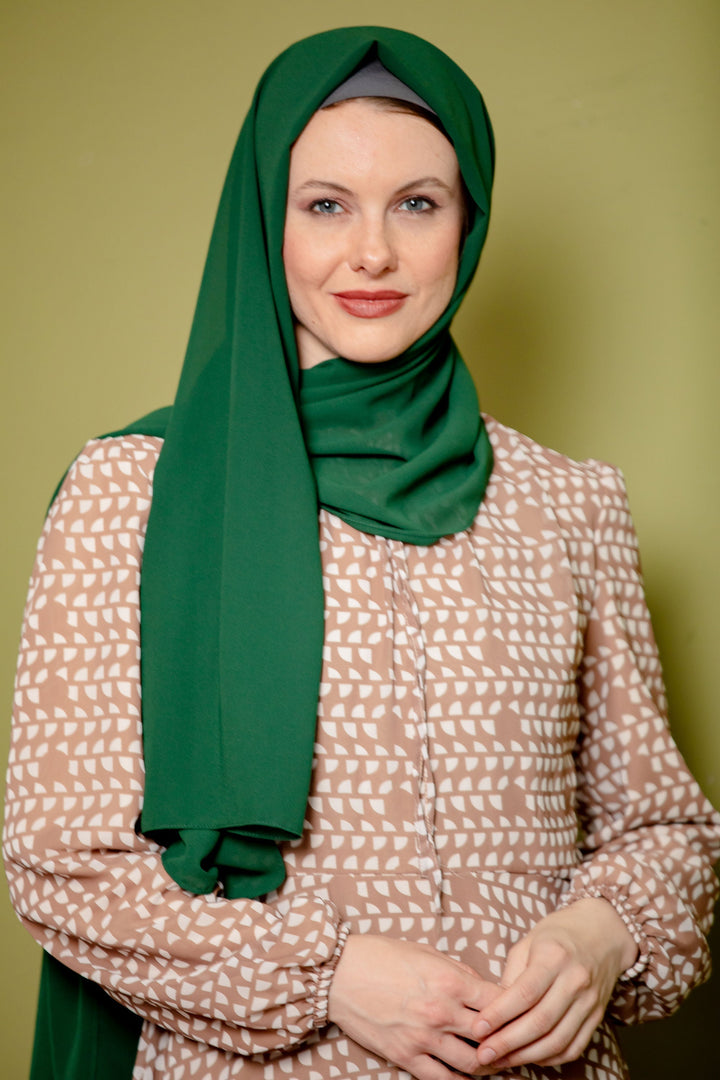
<point>322,978</point>
<point>628,915</point>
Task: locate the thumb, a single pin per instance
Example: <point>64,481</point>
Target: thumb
<point>517,961</point>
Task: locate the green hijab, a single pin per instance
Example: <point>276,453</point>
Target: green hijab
<point>232,601</point>
<point>231,598</point>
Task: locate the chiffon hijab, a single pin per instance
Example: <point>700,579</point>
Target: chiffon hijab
<point>232,601</point>
<point>231,596</point>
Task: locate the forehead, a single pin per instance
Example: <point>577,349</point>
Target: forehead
<point>366,136</point>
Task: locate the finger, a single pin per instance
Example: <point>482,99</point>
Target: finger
<point>463,967</point>
<point>456,1054</point>
<point>477,997</point>
<point>517,961</point>
<point>566,1044</point>
<point>427,1067</point>
<point>552,1050</point>
<point>526,1030</point>
<point>564,1040</point>
<point>524,994</point>
<point>557,1015</point>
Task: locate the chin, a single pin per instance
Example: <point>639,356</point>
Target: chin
<point>375,348</point>
<point>370,358</point>
<point>376,352</point>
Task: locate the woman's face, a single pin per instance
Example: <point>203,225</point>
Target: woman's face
<point>372,234</point>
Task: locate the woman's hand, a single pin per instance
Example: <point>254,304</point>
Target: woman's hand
<point>410,1004</point>
<point>557,983</point>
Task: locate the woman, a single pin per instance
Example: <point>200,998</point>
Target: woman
<point>344,842</point>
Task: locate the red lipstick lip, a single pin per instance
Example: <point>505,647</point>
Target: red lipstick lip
<point>370,304</point>
<point>369,294</point>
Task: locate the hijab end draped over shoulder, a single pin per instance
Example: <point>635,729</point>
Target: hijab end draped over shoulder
<point>232,601</point>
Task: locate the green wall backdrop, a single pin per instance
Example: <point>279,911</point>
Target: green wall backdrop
<point>592,325</point>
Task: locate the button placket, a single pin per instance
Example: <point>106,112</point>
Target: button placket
<point>408,618</point>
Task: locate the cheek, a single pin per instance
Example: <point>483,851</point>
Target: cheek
<point>438,258</point>
<point>292,261</point>
<point>308,255</point>
<point>440,265</point>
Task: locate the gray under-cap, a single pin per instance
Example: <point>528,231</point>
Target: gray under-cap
<point>374,80</point>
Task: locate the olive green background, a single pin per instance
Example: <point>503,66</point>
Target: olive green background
<point>592,325</point>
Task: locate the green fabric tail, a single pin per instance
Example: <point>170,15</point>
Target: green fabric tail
<point>81,1033</point>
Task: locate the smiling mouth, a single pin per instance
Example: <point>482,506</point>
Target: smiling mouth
<point>366,304</point>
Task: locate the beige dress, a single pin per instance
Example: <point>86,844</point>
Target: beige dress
<point>479,699</point>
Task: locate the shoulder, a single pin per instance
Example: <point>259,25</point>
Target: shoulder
<point>585,501</point>
<point>107,467</point>
<point>100,510</point>
<point>529,467</point>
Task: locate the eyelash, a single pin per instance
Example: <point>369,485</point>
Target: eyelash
<point>431,204</point>
<point>316,207</point>
<point>317,204</point>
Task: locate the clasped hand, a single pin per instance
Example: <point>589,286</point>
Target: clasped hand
<point>422,1010</point>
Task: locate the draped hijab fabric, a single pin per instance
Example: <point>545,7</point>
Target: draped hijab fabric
<point>231,597</point>
<point>232,602</point>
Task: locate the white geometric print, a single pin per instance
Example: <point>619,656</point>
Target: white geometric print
<point>480,698</point>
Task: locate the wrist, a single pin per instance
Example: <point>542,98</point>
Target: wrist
<point>608,923</point>
<point>341,979</point>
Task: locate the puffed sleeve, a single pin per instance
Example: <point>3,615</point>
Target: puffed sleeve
<point>237,974</point>
<point>649,835</point>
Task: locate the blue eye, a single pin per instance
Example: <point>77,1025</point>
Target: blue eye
<point>326,206</point>
<point>418,204</point>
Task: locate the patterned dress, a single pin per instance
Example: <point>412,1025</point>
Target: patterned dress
<point>491,744</point>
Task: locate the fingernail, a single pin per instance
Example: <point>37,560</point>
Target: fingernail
<point>486,1056</point>
<point>481,1029</point>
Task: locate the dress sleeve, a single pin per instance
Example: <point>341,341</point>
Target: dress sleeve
<point>237,974</point>
<point>649,836</point>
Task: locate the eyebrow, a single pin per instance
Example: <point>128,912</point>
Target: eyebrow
<point>330,185</point>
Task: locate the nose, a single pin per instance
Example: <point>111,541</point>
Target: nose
<point>372,247</point>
